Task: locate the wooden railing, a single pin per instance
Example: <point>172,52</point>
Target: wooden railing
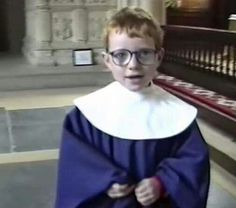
<point>202,49</point>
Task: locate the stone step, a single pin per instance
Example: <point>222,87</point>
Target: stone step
<point>16,74</point>
<point>54,80</point>
<point>222,146</point>
<point>42,98</point>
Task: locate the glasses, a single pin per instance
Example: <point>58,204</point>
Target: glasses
<point>122,57</point>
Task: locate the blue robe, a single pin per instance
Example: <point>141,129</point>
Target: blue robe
<point>92,160</point>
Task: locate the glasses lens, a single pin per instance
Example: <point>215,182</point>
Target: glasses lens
<point>121,57</point>
<point>146,56</point>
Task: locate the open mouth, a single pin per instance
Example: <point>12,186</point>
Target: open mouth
<point>135,77</point>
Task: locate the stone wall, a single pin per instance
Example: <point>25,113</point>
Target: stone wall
<point>54,28</point>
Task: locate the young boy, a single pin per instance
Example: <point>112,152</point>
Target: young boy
<point>131,144</point>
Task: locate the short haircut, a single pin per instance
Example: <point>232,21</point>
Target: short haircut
<point>136,23</point>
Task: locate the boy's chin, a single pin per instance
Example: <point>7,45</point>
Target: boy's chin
<point>134,88</point>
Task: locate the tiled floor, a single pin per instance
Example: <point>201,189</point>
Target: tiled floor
<point>33,185</point>
<point>27,185</point>
<point>31,129</point>
<point>219,198</point>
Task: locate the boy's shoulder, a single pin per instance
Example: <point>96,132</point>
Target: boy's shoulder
<point>97,96</point>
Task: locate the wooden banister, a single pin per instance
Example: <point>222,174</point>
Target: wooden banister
<point>204,49</point>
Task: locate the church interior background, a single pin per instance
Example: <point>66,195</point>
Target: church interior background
<point>38,82</point>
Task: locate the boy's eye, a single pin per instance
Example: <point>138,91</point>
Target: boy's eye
<point>144,53</point>
<point>120,55</point>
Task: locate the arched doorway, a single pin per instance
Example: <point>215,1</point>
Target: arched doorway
<point>12,25</point>
<point>3,28</point>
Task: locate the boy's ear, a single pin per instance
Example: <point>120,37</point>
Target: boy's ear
<point>160,56</point>
<point>161,53</point>
<point>106,59</point>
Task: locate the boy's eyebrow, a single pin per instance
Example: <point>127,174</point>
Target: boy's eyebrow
<point>144,48</point>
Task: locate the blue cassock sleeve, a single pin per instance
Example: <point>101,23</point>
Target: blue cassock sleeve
<point>186,174</point>
<point>83,171</point>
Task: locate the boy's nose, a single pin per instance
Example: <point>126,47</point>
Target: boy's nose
<point>133,63</point>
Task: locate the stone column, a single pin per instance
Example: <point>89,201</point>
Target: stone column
<point>127,3</point>
<point>43,36</point>
<point>37,43</point>
<point>43,26</point>
<point>156,8</point>
<point>122,3</point>
<point>80,25</point>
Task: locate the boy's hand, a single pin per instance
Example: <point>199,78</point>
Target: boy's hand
<point>118,190</point>
<point>148,191</point>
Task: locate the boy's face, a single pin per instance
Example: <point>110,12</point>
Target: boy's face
<point>129,71</point>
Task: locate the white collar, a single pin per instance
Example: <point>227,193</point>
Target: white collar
<point>151,113</point>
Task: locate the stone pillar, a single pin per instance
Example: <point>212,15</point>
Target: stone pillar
<point>43,26</point>
<point>122,4</point>
<point>37,42</point>
<point>42,20</point>
<point>80,24</point>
